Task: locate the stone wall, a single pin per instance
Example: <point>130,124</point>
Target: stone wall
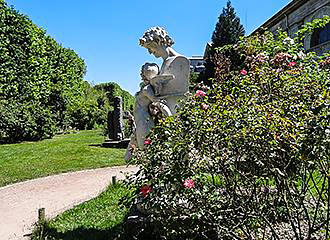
<point>295,18</point>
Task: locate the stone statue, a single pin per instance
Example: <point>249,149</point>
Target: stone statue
<point>115,121</point>
<point>143,120</point>
<point>161,88</point>
<point>116,135</point>
<point>159,43</point>
<point>130,122</point>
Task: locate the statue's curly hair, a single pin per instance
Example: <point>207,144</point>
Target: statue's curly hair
<point>158,35</point>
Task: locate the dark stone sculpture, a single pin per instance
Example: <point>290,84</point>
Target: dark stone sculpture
<point>116,136</point>
<point>115,121</point>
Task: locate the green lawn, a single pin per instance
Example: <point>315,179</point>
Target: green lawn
<point>100,219</point>
<point>62,153</point>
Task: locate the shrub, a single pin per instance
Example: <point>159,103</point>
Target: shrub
<point>24,121</point>
<point>249,158</point>
<point>90,110</point>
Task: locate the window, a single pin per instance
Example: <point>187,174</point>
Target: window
<point>320,35</point>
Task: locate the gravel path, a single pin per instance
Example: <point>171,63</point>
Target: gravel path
<point>19,203</point>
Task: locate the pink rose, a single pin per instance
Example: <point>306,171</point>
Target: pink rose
<point>200,93</point>
<point>145,190</point>
<point>147,141</point>
<point>291,64</point>
<point>205,106</point>
<point>244,72</point>
<point>189,183</point>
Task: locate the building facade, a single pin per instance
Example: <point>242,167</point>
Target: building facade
<point>196,64</point>
<point>296,14</point>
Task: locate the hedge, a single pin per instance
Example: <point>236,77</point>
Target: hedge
<point>39,79</point>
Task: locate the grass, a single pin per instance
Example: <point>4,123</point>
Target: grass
<point>100,218</point>
<point>62,153</point>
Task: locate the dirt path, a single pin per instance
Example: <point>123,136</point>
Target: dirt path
<point>19,203</point>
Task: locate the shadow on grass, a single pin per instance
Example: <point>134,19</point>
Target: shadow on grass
<point>95,145</point>
<point>132,228</point>
<point>113,233</point>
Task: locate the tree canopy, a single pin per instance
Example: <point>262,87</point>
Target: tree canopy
<point>228,30</point>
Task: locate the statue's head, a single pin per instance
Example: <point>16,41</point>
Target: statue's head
<point>156,40</point>
<point>149,71</point>
<point>154,109</point>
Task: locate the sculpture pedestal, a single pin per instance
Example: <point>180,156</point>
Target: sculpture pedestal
<point>109,143</point>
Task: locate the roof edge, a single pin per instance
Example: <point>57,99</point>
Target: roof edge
<point>293,5</point>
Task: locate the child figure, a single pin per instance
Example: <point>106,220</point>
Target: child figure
<point>146,96</point>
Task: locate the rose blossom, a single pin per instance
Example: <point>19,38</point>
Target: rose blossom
<point>291,64</point>
<point>200,93</point>
<point>189,183</point>
<point>147,141</point>
<point>145,189</point>
<point>243,72</point>
<point>205,106</point>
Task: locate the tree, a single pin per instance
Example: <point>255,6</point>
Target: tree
<point>228,30</point>
<point>39,79</point>
<point>112,90</point>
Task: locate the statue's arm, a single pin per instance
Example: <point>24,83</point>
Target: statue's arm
<point>163,78</point>
<point>171,95</point>
<point>150,93</point>
<point>181,64</point>
<point>180,68</point>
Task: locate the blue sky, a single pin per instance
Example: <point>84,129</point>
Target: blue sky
<point>105,33</point>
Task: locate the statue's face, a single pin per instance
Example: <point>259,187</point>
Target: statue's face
<point>150,71</point>
<point>153,110</point>
<point>157,50</point>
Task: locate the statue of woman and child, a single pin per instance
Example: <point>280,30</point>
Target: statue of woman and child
<point>161,87</point>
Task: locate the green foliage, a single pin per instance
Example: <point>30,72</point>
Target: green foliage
<point>89,111</point>
<point>249,158</point>
<point>113,90</point>
<point>309,27</point>
<point>38,79</point>
<point>228,30</point>
<point>24,121</point>
<point>194,80</point>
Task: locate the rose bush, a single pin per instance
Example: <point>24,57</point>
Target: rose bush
<point>254,163</point>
